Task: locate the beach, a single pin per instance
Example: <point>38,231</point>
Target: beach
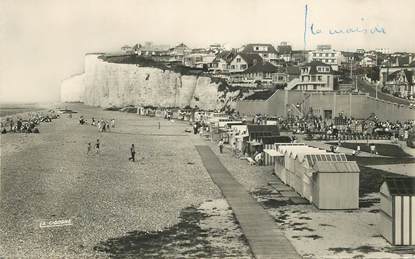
<point>59,201</point>
<point>48,177</point>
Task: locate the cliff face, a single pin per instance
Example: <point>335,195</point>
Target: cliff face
<point>110,84</point>
<point>72,89</point>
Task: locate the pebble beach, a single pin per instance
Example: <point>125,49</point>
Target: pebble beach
<point>49,177</point>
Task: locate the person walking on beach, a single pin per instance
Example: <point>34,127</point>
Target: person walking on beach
<point>234,149</point>
<point>372,148</point>
<point>89,148</point>
<point>112,123</point>
<point>132,151</point>
<point>97,145</point>
<point>220,146</point>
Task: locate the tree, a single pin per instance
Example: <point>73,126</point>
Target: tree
<point>373,73</point>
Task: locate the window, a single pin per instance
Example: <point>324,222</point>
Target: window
<point>232,66</point>
<point>319,78</point>
<point>314,87</point>
<point>243,66</point>
<point>265,55</point>
<point>332,54</point>
<point>257,48</point>
<point>327,69</point>
<point>238,60</point>
<point>326,55</point>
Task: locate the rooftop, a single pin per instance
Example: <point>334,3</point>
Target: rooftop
<point>261,95</point>
<point>250,59</point>
<point>249,48</point>
<point>401,185</point>
<point>262,67</point>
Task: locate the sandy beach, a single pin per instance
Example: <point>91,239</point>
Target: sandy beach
<point>48,177</point>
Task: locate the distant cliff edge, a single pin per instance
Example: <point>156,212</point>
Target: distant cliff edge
<point>107,84</point>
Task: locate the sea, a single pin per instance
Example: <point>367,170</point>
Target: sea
<point>7,109</point>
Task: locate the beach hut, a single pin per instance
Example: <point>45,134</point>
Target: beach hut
<point>270,153</point>
<point>335,184</point>
<point>281,160</point>
<point>260,131</point>
<point>301,172</point>
<point>397,210</point>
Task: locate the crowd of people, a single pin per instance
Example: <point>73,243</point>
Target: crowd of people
<point>26,123</point>
<point>102,125</point>
<point>342,127</point>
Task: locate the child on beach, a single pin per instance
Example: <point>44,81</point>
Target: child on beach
<point>132,151</point>
<point>97,146</point>
<point>89,148</point>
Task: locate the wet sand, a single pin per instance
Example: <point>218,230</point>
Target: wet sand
<point>48,177</point>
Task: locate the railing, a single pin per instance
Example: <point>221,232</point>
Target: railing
<point>293,83</point>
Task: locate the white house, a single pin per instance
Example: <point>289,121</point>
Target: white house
<point>315,76</point>
<point>220,64</point>
<point>327,55</point>
<point>368,62</point>
<point>242,61</point>
<point>266,51</point>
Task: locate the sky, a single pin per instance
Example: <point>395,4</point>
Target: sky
<point>44,41</point>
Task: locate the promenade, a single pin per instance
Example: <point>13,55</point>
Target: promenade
<point>264,236</point>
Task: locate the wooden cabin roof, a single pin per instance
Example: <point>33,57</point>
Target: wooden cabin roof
<point>336,167</point>
<point>273,129</point>
<point>401,186</point>
<point>313,158</point>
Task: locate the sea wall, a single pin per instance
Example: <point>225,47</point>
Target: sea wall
<point>112,84</point>
<point>359,106</point>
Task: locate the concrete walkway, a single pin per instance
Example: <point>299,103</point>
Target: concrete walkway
<point>264,237</point>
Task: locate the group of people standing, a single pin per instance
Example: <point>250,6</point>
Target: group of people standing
<point>103,125</point>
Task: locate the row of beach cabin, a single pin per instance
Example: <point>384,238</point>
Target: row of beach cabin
<point>326,179</point>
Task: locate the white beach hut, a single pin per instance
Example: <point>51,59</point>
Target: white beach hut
<point>397,210</point>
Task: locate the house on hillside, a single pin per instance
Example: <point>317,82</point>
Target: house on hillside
<point>220,64</point>
<point>150,49</point>
<point>299,56</point>
<point>401,83</point>
<point>243,61</point>
<point>400,59</point>
<point>284,51</point>
<point>327,55</point>
<point>179,52</point>
<point>262,74</point>
<point>216,48</point>
<point>316,76</point>
<point>368,61</point>
<point>199,58</point>
<point>266,51</point>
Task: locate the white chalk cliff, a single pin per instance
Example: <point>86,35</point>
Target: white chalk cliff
<point>73,88</point>
<point>107,84</point>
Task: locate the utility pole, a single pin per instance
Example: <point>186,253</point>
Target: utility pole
<point>377,89</point>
